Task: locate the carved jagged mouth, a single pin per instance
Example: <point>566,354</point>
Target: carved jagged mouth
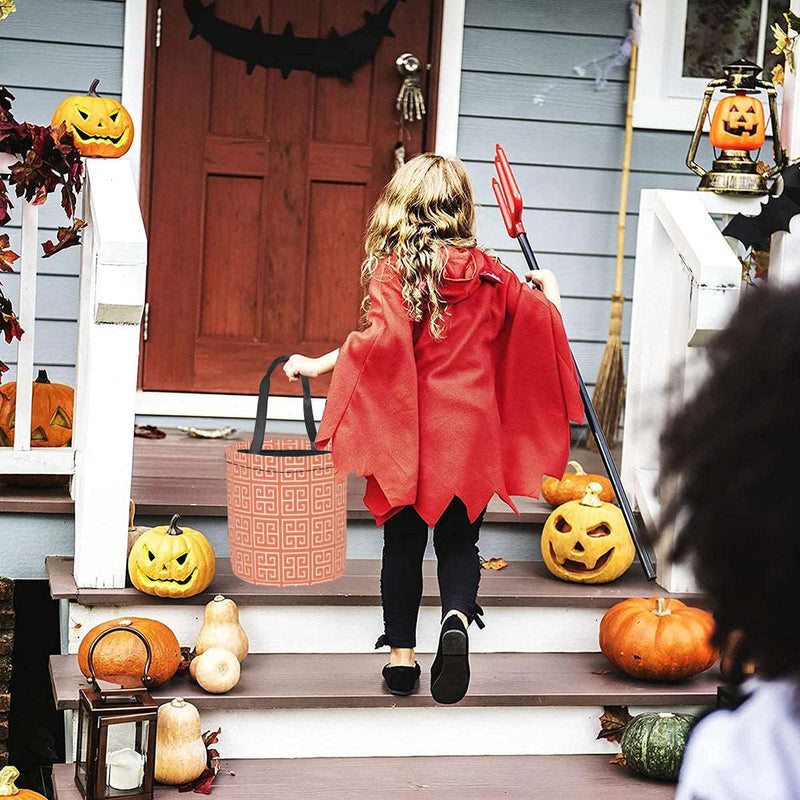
<point>751,131</point>
<point>169,580</point>
<point>89,137</point>
<point>577,566</point>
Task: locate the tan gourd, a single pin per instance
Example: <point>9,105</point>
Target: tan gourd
<point>217,670</point>
<point>221,628</point>
<point>181,755</point>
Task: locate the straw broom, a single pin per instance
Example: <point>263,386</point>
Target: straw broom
<point>609,391</point>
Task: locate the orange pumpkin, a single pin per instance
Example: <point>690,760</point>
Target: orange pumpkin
<point>738,123</point>
<point>120,657</point>
<point>101,126</point>
<point>51,413</point>
<point>572,486</point>
<point>9,789</point>
<point>657,639</point>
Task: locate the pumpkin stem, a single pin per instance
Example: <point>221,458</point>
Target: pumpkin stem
<point>131,514</point>
<point>93,88</point>
<point>173,529</point>
<point>579,470</point>
<point>661,609</point>
<point>178,702</point>
<point>42,377</point>
<point>591,497</point>
<point>219,598</point>
<point>7,777</point>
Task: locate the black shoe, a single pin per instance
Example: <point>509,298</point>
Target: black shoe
<point>450,668</point>
<point>401,680</point>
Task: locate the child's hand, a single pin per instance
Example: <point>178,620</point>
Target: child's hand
<point>301,365</point>
<point>545,280</point>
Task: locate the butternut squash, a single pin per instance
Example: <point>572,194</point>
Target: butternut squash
<point>181,755</point>
<point>217,670</point>
<point>221,628</point>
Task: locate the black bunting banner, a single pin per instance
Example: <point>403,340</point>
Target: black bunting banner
<point>337,54</point>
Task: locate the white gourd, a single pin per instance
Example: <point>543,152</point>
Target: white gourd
<point>181,755</point>
<point>221,628</point>
<point>217,670</point>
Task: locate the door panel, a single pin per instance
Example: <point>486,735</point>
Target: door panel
<point>261,188</point>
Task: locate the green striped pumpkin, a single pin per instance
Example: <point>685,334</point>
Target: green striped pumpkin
<point>653,743</point>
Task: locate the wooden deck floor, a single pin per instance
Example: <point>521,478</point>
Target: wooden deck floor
<point>187,476</point>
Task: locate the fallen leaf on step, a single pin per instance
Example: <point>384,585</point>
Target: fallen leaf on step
<point>494,563</point>
<point>618,759</point>
<point>613,721</point>
<point>149,432</point>
<point>601,672</point>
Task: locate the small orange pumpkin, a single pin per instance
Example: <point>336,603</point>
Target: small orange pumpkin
<point>657,638</point>
<point>101,126</point>
<point>9,789</point>
<point>51,413</point>
<point>738,123</point>
<point>572,486</point>
<point>120,657</point>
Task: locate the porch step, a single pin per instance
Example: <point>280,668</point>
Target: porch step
<point>352,680</point>
<point>181,475</point>
<point>527,610</point>
<point>521,583</point>
<point>574,777</point>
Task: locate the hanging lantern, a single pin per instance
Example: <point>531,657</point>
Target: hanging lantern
<point>116,735</point>
<point>738,128</point>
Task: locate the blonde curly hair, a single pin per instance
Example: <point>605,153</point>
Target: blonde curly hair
<point>427,205</point>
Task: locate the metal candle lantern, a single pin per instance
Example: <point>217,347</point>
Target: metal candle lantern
<point>737,128</point>
<point>116,735</point>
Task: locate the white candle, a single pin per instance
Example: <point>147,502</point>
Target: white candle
<point>125,769</point>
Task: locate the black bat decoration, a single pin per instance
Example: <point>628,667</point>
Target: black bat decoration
<point>335,55</point>
<point>775,215</point>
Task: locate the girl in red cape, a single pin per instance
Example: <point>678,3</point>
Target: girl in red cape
<point>461,386</point>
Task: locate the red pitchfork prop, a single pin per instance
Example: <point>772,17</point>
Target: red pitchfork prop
<point>509,199</point>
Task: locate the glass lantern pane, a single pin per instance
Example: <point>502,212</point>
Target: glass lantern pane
<point>125,756</point>
<point>83,742</point>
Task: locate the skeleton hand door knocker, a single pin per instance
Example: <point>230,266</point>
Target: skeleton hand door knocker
<point>410,102</point>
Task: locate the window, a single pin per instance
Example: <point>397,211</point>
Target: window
<point>684,43</point>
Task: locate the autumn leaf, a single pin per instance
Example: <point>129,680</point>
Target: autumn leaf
<point>9,324</point>
<point>6,7</point>
<point>792,20</point>
<point>601,672</point>
<point>494,563</point>
<point>204,782</point>
<point>613,721</point>
<point>777,75</point>
<point>67,237</point>
<point>149,432</point>
<point>7,255</point>
<point>618,759</point>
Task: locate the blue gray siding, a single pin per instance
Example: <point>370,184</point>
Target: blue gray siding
<point>50,49</point>
<point>565,138</point>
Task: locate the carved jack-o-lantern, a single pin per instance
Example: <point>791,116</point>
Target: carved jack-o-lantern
<point>586,540</point>
<point>101,126</point>
<point>51,413</point>
<point>169,561</point>
<point>738,123</point>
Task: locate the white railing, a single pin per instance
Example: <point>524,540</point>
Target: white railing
<point>110,303</point>
<point>686,286</point>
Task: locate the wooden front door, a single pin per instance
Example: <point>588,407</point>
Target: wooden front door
<point>260,191</point>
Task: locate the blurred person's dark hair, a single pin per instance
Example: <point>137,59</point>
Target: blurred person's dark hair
<point>734,448</point>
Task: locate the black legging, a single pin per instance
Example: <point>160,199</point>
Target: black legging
<point>405,536</point>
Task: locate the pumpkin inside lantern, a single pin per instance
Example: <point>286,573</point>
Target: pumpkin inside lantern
<point>101,126</point>
<point>587,540</point>
<point>738,123</point>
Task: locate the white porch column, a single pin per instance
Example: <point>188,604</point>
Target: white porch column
<point>784,263</point>
<point>112,285</point>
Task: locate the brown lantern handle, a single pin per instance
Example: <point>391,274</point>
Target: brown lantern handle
<point>146,678</point>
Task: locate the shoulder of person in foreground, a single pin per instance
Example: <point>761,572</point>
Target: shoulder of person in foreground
<point>752,752</point>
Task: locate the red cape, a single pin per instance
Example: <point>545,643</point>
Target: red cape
<point>485,410</point>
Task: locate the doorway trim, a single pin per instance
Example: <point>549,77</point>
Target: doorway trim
<point>141,24</point>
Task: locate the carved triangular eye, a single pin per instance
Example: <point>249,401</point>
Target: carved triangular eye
<point>60,419</point>
<point>182,558</point>
<point>600,530</point>
<point>562,526</point>
<point>38,435</point>
<point>734,110</point>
